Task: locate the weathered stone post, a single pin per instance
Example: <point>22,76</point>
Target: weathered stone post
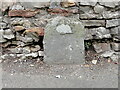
<point>64,41</point>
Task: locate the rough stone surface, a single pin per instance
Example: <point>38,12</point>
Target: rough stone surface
<point>16,7</point>
<point>97,33</point>
<point>98,9</point>
<point>35,48</point>
<point>35,4</point>
<point>115,31</point>
<point>101,47</point>
<point>107,54</point>
<point>112,23</point>
<point>23,13</point>
<point>111,15</point>
<point>18,28</point>
<point>89,23</point>
<point>65,48</point>
<point>41,53</point>
<point>90,2</point>
<point>2,40</point>
<point>115,57</point>
<point>90,16</point>
<point>3,25</point>
<point>116,46</point>
<point>8,34</point>
<point>110,4</point>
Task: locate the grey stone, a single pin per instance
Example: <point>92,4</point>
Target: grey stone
<point>101,47</point>
<point>64,48</point>
<point>6,4</point>
<point>112,23</point>
<point>110,4</point>
<point>116,37</point>
<point>32,55</point>
<point>3,25</point>
<point>35,48</point>
<point>26,50</point>
<point>115,31</point>
<point>97,33</point>
<point>16,50</point>
<point>32,35</point>
<point>98,9</point>
<point>107,54</point>
<point>64,29</point>
<point>102,32</point>
<point>41,53</point>
<point>16,7</point>
<point>115,57</point>
<point>85,9</point>
<point>8,34</point>
<point>1,18</point>
<point>5,44</point>
<point>19,43</point>
<point>116,46</point>
<point>16,21</point>
<point>89,23</point>
<point>21,50</point>
<point>4,57</point>
<point>90,2</point>
<point>111,15</point>
<point>40,22</point>
<point>90,16</point>
<point>2,40</point>
<point>25,39</point>
<point>35,4</point>
<point>55,4</point>
<point>21,21</point>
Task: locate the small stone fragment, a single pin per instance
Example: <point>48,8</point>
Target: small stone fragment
<point>98,9</point>
<point>41,53</point>
<point>116,46</point>
<point>18,28</point>
<point>32,55</point>
<point>94,62</point>
<point>115,57</point>
<point>58,76</point>
<point>109,4</point>
<point>16,7</point>
<point>90,2</point>
<point>89,23</point>
<point>8,34</point>
<point>107,54</point>
<point>1,61</point>
<point>35,48</point>
<point>3,25</point>
<point>112,23</point>
<point>31,65</point>
<point>101,47</point>
<point>2,40</point>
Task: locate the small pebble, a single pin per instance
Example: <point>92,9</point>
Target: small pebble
<point>31,65</point>
<point>94,62</point>
<point>0,61</point>
<point>58,76</point>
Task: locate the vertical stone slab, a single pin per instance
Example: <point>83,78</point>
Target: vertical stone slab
<point>64,41</point>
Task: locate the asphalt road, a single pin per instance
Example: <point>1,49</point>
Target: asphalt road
<point>63,76</point>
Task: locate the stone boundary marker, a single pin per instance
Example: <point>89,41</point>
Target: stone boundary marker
<point>64,41</point>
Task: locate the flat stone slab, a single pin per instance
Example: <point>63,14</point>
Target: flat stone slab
<point>64,41</point>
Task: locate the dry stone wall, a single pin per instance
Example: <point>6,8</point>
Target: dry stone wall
<point>22,25</point>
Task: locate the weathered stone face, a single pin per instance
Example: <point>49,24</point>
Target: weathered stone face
<point>64,41</point>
